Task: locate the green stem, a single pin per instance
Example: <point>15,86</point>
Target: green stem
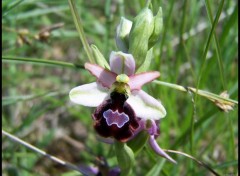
<point>79,27</point>
<point>194,159</point>
<point>231,142</point>
<point>204,57</point>
<point>42,61</point>
<point>108,16</point>
<point>209,95</point>
<point>218,52</point>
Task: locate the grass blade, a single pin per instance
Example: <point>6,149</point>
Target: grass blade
<point>218,51</point>
<point>79,27</point>
<point>35,149</point>
<point>42,61</point>
<point>194,159</point>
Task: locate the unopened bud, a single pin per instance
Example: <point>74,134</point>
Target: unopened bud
<point>158,25</point>
<point>122,34</point>
<point>143,25</point>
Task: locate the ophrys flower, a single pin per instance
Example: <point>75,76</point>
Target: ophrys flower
<point>123,109</point>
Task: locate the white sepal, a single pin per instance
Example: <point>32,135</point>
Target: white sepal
<point>91,95</point>
<point>145,106</point>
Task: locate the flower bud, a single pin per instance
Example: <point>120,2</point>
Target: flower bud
<point>158,25</point>
<point>122,34</point>
<point>146,64</point>
<point>143,25</point>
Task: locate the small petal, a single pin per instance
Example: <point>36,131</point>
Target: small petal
<point>158,150</point>
<point>91,95</point>
<point>105,78</point>
<point>145,106</point>
<point>138,80</point>
<point>122,63</point>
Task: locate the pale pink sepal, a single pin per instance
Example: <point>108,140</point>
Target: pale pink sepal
<point>122,63</point>
<point>138,80</point>
<point>153,143</point>
<point>104,77</point>
<point>145,106</point>
<point>91,95</point>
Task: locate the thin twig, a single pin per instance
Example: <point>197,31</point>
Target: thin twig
<point>196,160</point>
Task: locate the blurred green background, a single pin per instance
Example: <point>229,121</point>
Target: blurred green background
<point>36,106</point>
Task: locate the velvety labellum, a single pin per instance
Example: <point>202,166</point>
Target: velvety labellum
<point>115,117</point>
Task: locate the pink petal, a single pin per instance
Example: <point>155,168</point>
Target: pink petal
<point>138,80</point>
<point>158,150</point>
<point>145,106</point>
<point>104,77</point>
<point>122,63</point>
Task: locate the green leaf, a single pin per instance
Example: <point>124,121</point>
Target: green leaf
<point>99,57</point>
<point>125,157</point>
<point>138,142</point>
<point>41,61</point>
<point>7,7</point>
<point>142,28</point>
<point>158,25</point>
<point>156,169</point>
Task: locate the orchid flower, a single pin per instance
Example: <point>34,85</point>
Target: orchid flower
<point>123,109</point>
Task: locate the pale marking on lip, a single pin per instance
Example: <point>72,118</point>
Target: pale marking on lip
<point>116,118</point>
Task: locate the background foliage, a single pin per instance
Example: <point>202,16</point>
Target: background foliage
<point>36,106</point>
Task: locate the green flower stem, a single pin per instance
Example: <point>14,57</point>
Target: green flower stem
<point>125,157</point>
<point>209,95</point>
<point>194,159</point>
<point>79,27</point>
<point>42,61</point>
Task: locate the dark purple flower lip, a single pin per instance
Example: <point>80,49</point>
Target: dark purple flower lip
<point>115,118</point>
